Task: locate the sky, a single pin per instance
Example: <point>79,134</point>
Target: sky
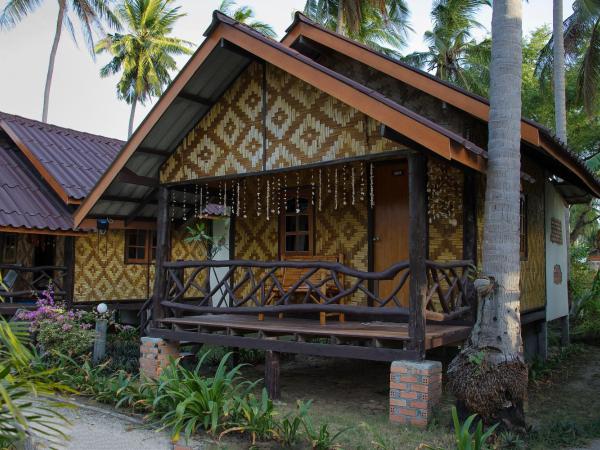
<point>81,100</point>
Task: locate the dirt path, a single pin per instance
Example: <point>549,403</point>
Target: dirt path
<point>99,428</point>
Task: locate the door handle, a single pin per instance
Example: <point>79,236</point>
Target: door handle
<point>376,238</point>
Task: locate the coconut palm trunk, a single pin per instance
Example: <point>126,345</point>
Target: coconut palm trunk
<point>340,17</point>
<point>132,116</point>
<point>558,68</point>
<point>59,25</point>
<point>489,377</point>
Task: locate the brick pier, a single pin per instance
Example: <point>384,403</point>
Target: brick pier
<point>155,354</point>
<point>415,388</point>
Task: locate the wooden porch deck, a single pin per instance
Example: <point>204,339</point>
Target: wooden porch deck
<point>373,340</point>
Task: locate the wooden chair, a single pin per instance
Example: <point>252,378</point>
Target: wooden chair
<point>291,275</point>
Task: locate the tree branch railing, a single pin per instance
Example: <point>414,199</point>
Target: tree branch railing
<point>20,283</point>
<point>251,287</point>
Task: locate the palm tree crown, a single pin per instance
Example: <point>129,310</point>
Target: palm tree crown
<point>91,14</point>
<point>380,24</point>
<point>144,55</point>
<point>245,14</point>
<point>581,32</point>
<point>452,48</point>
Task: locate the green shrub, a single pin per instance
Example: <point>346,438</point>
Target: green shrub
<point>288,428</point>
<point>508,440</point>
<point>465,440</point>
<point>68,338</point>
<point>321,438</point>
<point>185,400</point>
<point>123,349</point>
<point>256,417</point>
<point>20,381</point>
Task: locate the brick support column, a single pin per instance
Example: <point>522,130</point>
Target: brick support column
<point>155,354</point>
<point>415,388</point>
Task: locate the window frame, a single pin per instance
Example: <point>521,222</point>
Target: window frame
<point>149,247</point>
<point>305,192</point>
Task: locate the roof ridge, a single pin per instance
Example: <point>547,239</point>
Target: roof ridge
<point>58,128</point>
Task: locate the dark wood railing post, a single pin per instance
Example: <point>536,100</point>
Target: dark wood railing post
<point>162,253</point>
<point>470,217</point>
<point>69,277</point>
<point>417,250</point>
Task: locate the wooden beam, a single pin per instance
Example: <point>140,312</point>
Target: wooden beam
<point>470,216</point>
<point>284,346</point>
<point>417,250</point>
<point>121,224</point>
<point>128,176</point>
<point>162,253</point>
<point>116,198</point>
<point>69,262</point>
<point>23,230</point>
<point>272,383</point>
<point>142,204</point>
<point>195,99</point>
<point>152,151</point>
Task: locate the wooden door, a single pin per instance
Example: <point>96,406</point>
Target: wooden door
<point>390,231</point>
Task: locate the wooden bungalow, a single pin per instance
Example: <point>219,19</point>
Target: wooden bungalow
<point>353,187</point>
<point>45,173</point>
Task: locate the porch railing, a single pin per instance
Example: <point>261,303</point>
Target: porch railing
<point>250,287</point>
<point>19,283</point>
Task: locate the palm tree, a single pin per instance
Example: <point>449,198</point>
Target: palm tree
<point>90,13</point>
<point>489,376</point>
<point>560,107</point>
<point>453,54</point>
<point>244,14</point>
<point>144,54</point>
<point>581,34</point>
<point>380,24</point>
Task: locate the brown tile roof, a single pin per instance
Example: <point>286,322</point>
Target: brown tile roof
<point>75,160</point>
<point>25,200</point>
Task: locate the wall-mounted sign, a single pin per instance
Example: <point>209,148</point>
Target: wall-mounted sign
<point>556,234</point>
<point>557,274</point>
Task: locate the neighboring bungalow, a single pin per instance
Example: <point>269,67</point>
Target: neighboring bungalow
<point>354,186</point>
<point>45,173</point>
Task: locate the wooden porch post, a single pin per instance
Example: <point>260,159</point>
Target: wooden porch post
<point>69,262</point>
<point>272,382</point>
<point>162,252</point>
<point>417,249</point>
<point>469,217</point>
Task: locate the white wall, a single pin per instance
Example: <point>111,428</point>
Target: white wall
<point>220,227</point>
<point>557,255</point>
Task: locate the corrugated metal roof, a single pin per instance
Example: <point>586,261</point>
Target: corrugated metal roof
<point>25,201</point>
<point>76,160</point>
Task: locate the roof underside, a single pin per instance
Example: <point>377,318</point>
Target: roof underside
<point>25,202</point>
<point>210,81</point>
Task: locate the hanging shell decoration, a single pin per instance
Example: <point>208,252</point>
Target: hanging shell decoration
<point>444,191</point>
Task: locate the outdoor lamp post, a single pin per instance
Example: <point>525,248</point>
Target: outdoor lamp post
<point>100,337</point>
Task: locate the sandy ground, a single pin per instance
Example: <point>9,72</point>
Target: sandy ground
<point>99,428</point>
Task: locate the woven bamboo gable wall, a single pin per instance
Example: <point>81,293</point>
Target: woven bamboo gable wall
<point>303,125</point>
<point>533,275</point>
<point>101,273</point>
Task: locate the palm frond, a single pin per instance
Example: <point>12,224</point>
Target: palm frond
<point>15,11</point>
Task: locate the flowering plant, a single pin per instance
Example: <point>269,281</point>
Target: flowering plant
<point>59,329</point>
